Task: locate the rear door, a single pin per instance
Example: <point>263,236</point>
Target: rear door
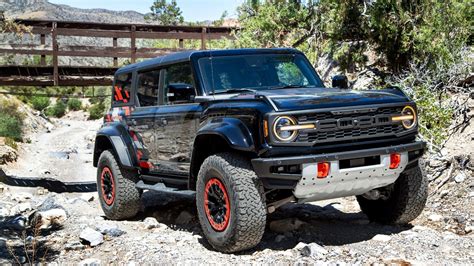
<point>142,120</point>
<point>177,120</point>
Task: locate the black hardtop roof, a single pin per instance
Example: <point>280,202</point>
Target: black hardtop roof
<point>187,55</point>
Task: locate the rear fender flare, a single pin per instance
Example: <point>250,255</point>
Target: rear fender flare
<point>121,143</point>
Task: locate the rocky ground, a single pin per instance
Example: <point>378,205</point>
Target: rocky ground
<point>38,225</point>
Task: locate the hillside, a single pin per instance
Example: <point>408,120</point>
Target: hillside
<point>42,9</point>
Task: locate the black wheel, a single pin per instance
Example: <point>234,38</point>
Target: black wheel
<point>119,198</point>
<point>406,200</point>
<point>230,203</point>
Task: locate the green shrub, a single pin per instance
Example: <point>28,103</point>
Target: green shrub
<point>74,104</point>
<point>97,111</point>
<point>94,100</point>
<point>10,126</point>
<point>11,119</point>
<point>57,110</point>
<point>436,115</point>
<point>40,103</point>
<point>10,107</point>
<point>11,142</point>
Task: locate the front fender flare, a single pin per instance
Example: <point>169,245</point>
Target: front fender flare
<point>233,130</point>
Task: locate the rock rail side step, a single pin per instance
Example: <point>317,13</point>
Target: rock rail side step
<point>160,187</point>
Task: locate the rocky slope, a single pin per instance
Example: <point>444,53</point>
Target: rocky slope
<point>42,9</point>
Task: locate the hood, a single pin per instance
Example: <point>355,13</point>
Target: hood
<point>315,98</point>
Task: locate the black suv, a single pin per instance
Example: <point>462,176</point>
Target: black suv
<point>249,130</point>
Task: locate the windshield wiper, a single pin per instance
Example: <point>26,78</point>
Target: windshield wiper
<point>234,91</point>
<point>290,86</point>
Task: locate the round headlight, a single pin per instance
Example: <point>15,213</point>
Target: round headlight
<point>409,115</point>
<point>279,130</point>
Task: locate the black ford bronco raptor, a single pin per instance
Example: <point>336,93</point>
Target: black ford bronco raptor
<point>249,130</point>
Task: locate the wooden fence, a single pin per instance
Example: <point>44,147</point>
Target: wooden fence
<point>60,75</point>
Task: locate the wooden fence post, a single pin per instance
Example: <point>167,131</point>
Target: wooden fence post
<point>203,39</point>
<point>55,54</point>
<point>133,44</point>
<point>43,57</point>
<point>115,46</point>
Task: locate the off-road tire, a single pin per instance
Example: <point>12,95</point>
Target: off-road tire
<point>406,201</point>
<point>247,202</point>
<point>127,197</point>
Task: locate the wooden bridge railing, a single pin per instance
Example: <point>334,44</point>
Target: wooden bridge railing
<point>92,75</point>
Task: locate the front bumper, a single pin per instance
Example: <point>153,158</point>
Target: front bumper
<point>272,180</point>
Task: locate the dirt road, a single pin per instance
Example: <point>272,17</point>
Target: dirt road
<point>62,152</point>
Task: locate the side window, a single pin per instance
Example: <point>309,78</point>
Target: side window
<point>122,87</point>
<point>179,87</point>
<point>147,88</point>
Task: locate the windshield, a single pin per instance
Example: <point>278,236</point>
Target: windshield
<point>257,72</point>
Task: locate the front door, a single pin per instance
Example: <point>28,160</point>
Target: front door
<point>177,120</point>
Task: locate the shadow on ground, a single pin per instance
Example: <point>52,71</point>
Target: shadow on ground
<point>325,225</point>
<point>24,245</point>
<point>50,184</point>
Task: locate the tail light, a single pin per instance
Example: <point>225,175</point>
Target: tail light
<point>145,165</point>
<point>142,162</point>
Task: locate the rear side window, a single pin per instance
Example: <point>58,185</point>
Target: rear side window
<point>147,88</point>
<point>122,88</point>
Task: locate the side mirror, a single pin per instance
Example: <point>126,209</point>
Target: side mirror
<point>340,81</point>
<point>179,93</point>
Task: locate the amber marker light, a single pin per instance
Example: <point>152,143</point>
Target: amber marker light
<point>265,128</point>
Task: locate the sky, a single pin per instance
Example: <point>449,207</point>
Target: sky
<point>193,10</point>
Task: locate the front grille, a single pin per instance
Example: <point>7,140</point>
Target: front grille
<point>345,125</point>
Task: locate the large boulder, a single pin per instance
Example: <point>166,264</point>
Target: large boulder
<point>91,237</point>
<point>7,153</point>
<point>311,250</point>
<point>53,218</point>
<point>150,223</point>
<point>110,230</point>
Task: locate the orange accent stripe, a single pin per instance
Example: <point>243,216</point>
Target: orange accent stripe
<point>297,127</point>
<point>403,117</point>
